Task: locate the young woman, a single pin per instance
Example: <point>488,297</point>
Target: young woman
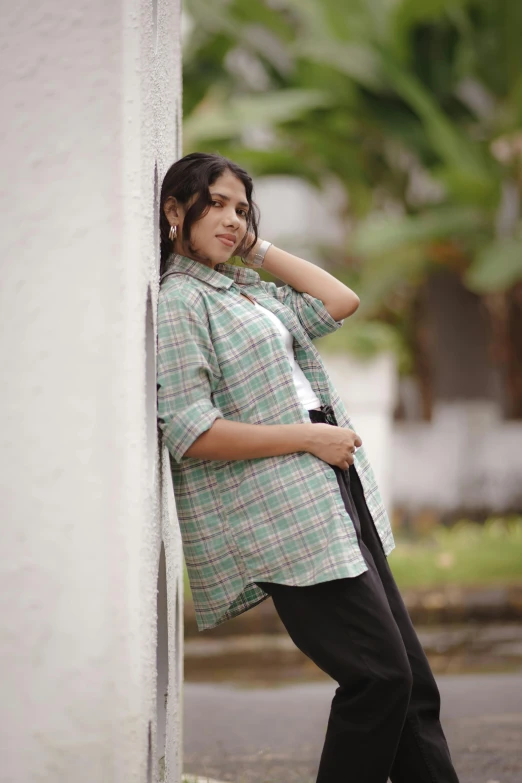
<point>275,496</point>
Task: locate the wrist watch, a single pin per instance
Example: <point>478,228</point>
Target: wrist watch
<point>259,257</point>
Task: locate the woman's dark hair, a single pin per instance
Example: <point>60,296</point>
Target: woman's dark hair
<point>194,174</point>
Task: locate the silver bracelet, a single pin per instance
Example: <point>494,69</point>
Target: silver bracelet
<point>259,257</point>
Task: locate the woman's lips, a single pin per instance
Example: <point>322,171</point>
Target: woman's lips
<point>227,242</point>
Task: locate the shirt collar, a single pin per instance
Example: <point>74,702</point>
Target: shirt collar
<point>222,276</point>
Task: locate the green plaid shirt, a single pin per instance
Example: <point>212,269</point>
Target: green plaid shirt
<point>279,519</point>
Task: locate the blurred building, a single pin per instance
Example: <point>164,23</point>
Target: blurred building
<point>462,456</point>
<point>92,119</point>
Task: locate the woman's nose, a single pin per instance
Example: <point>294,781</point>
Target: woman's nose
<point>232,218</point>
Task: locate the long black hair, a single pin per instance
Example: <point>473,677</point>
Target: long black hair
<point>194,174</point>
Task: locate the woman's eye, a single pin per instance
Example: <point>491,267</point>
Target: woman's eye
<point>242,212</point>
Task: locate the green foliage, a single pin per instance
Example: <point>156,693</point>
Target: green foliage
<point>354,60</point>
<point>414,108</point>
<point>229,119</point>
<point>497,266</point>
<point>365,339</point>
<point>380,234</point>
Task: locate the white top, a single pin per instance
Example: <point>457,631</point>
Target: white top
<point>306,394</point>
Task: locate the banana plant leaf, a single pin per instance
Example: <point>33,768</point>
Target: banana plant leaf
<point>381,234</point>
<point>497,267</point>
<point>218,118</point>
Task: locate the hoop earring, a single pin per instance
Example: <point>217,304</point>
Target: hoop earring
<point>173,233</point>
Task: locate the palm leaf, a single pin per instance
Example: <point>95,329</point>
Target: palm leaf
<point>218,118</point>
<point>497,267</point>
<point>380,234</point>
<point>352,59</point>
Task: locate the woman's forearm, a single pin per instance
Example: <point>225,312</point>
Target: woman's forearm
<point>234,440</point>
<point>339,300</point>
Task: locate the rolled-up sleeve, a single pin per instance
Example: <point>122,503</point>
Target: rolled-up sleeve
<point>186,375</point>
<point>311,312</point>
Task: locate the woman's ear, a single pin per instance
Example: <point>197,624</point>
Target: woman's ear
<point>171,210</point>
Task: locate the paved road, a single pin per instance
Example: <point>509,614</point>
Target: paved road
<point>274,735</point>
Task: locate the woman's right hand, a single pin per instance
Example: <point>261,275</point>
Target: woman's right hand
<point>232,440</point>
<point>335,445</point>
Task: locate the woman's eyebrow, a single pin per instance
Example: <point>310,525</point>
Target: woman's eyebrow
<point>227,198</point>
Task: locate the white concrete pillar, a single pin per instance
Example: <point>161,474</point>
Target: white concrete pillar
<point>91,105</point>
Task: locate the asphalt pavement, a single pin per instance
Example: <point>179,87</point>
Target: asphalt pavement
<point>275,734</point>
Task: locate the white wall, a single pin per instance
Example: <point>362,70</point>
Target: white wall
<point>297,215</point>
<point>466,459</point>
<point>368,390</point>
<point>92,93</point>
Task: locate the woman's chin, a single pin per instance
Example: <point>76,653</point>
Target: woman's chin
<point>225,258</point>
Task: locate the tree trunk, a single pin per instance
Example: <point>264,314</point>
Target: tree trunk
<point>422,347</point>
<point>514,353</point>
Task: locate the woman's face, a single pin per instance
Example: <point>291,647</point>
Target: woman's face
<point>215,236</point>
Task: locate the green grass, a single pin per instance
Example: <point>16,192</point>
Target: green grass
<point>467,553</point>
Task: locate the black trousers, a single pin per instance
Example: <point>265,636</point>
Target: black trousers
<point>384,718</point>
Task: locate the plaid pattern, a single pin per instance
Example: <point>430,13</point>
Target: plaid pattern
<point>278,519</point>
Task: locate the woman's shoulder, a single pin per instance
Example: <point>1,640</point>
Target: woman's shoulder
<point>180,298</point>
<point>181,290</point>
